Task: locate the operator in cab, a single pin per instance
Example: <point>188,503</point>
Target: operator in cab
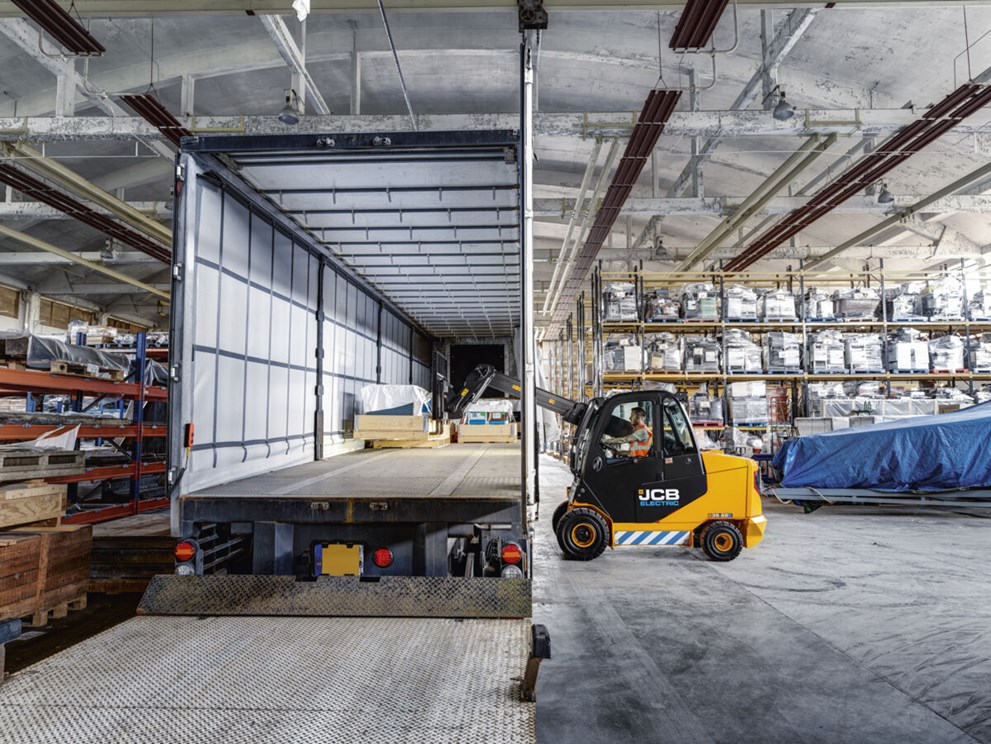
<point>639,439</point>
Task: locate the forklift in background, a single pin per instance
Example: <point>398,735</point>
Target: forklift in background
<point>632,491</point>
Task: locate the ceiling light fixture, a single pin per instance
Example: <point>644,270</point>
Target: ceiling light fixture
<point>885,197</point>
<point>61,26</point>
<point>784,110</point>
<point>291,111</point>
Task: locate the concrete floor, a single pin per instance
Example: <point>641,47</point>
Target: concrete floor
<point>845,625</point>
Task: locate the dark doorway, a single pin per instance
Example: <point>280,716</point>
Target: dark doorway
<point>465,357</point>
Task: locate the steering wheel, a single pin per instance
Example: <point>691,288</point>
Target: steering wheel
<point>670,443</point>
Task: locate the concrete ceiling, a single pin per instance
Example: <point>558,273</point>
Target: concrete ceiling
<point>863,70</point>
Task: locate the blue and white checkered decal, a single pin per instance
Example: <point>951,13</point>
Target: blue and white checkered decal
<point>650,538</point>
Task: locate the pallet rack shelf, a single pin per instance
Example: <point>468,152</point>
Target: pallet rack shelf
<point>135,432</point>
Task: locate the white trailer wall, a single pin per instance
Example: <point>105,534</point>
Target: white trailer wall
<point>251,293</point>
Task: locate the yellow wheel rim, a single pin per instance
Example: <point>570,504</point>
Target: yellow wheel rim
<point>723,542</point>
<point>583,535</point>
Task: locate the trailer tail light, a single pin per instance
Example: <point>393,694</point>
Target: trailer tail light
<point>382,558</point>
<point>511,553</point>
<point>185,551</point>
<point>512,572</point>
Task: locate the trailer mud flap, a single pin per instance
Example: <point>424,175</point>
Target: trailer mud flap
<point>338,596</point>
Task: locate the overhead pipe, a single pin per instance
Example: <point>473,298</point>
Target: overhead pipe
<point>99,268</point>
<point>30,158</point>
<point>61,26</point>
<point>587,219</point>
<point>579,204</point>
<point>807,154</point>
<point>152,111</point>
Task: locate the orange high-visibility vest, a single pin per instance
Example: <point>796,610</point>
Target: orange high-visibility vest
<point>642,449</point>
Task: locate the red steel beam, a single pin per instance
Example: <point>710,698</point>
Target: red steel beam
<point>115,511</point>
<point>38,382</point>
<point>109,471</point>
<point>151,110</point>
<point>24,432</point>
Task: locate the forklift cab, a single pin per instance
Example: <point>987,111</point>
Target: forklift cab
<point>637,459</point>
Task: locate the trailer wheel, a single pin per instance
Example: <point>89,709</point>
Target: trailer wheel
<point>582,534</point>
<point>721,541</point>
<point>558,513</point>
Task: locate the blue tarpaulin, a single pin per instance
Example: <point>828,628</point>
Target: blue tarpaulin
<point>928,453</point>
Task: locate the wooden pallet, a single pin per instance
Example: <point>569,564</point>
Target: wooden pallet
<point>433,441</point>
<point>31,503</point>
<point>90,371</point>
<point>400,428</point>
<point>28,464</point>
<point>487,433</point>
<point>44,572</point>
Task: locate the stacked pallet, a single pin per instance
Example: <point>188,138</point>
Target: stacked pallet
<point>404,432</point>
<point>486,433</point>
<point>43,571</point>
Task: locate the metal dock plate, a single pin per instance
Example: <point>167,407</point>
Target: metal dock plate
<point>338,596</point>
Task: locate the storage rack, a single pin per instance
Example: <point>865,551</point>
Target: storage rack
<point>795,281</point>
<point>34,383</point>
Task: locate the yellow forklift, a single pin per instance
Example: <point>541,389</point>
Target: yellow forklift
<point>640,478</point>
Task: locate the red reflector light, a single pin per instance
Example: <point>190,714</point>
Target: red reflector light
<point>185,551</point>
<point>511,553</point>
<point>382,558</point>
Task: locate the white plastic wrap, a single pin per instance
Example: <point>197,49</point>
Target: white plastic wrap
<point>384,397</point>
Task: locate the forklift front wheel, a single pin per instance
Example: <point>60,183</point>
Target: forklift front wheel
<point>582,534</point>
<point>558,513</point>
<point>721,541</point>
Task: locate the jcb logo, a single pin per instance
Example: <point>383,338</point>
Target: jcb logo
<point>659,494</point>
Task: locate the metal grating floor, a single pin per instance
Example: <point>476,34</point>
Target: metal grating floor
<point>459,471</point>
<point>223,679</point>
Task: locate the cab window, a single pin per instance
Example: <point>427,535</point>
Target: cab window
<point>629,430</point>
<point>677,431</point>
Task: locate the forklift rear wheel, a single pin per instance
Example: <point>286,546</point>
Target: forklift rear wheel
<point>582,534</point>
<point>558,513</point>
<point>721,541</point>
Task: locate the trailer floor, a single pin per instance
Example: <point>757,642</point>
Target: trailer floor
<point>463,471</point>
<point>845,625</point>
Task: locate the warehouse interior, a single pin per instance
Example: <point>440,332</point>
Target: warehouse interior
<point>287,286</point>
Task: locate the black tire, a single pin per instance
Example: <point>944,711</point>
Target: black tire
<point>582,534</point>
<point>558,513</point>
<point>721,541</point>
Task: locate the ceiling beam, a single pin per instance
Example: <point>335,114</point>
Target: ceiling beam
<point>37,210</point>
<point>295,60</point>
<point>784,41</point>
<point>26,37</point>
<point>83,289</point>
<point>560,209</point>
<point>862,122</point>
<point>41,245</point>
<point>33,258</point>
<point>149,8</point>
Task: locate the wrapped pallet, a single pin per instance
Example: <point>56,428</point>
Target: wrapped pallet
<point>661,308</point>
<point>701,354</point>
<point>858,303</point>
<point>704,409</point>
<point>979,308</point>
<point>741,303</point>
<point>818,305</point>
<point>622,353</point>
<point>742,354</point>
<point>824,352</point>
<point>778,304</point>
<point>863,352</point>
<point>782,352</point>
<point>946,354</point>
<point>700,302</point>
<point>907,352</point>
<point>619,303</point>
<point>748,403</point>
<point>943,300</point>
<point>663,352</point>
<point>903,303</point>
<point>979,356</point>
